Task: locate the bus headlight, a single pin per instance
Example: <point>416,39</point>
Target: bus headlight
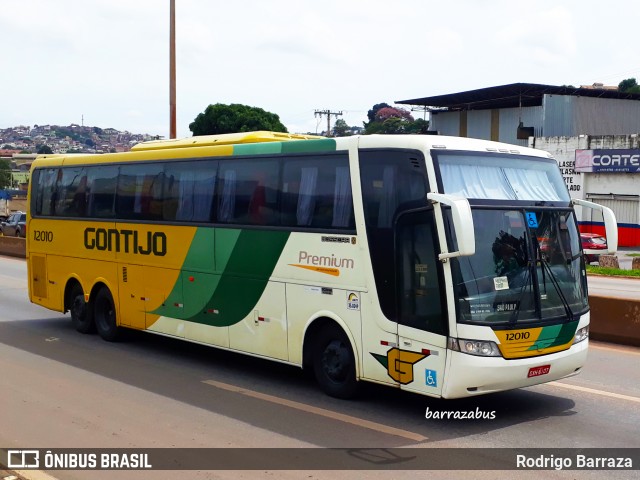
<point>581,335</point>
<point>481,348</point>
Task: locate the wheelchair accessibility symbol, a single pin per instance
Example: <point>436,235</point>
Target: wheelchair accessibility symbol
<point>431,378</point>
<point>532,221</point>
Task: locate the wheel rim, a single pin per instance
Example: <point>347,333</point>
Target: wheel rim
<point>336,361</point>
<point>105,313</point>
<point>79,307</point>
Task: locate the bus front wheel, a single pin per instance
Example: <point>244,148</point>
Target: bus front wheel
<point>80,312</point>
<point>104,312</point>
<point>334,363</point>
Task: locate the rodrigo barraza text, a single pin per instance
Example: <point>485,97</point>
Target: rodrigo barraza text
<point>544,462</point>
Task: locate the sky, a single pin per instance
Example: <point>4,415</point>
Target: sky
<point>105,63</point>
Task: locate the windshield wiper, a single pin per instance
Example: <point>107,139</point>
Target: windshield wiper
<point>527,280</point>
<point>556,284</point>
<point>554,281</point>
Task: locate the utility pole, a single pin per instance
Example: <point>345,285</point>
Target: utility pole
<point>328,113</point>
<point>172,69</point>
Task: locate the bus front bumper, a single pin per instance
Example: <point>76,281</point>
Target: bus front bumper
<point>469,375</point>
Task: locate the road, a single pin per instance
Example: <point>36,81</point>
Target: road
<point>64,389</point>
<point>616,287</point>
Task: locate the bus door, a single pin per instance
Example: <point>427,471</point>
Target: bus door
<point>421,303</point>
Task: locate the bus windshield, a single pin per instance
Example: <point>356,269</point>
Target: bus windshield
<point>527,268</point>
<point>493,176</point>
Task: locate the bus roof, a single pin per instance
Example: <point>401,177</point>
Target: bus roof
<point>223,139</point>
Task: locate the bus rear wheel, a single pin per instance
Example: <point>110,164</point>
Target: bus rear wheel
<point>81,317</point>
<point>104,312</point>
<point>334,364</point>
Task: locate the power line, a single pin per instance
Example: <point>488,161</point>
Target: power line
<point>328,113</point>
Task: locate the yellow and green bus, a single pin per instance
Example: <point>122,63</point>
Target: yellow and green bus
<point>445,266</point>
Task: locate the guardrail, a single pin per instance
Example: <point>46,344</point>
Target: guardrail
<point>612,319</point>
<point>13,246</point>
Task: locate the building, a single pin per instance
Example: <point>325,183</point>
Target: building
<point>604,169</point>
<point>513,113</point>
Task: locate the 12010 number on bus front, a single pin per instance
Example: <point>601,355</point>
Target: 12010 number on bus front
<point>510,337</point>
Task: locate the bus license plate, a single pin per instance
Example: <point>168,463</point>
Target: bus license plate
<point>537,371</point>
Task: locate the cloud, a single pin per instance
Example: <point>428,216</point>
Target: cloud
<point>543,37</point>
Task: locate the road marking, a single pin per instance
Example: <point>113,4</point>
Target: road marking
<point>596,392</point>
<point>620,349</point>
<point>378,427</point>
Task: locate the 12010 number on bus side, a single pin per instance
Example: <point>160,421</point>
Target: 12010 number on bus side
<point>43,236</point>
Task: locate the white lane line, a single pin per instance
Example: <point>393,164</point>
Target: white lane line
<point>619,396</point>
<point>378,427</point>
<point>620,349</point>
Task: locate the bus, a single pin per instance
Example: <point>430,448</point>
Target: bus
<point>445,266</point>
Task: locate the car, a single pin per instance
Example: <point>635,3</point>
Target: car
<point>592,241</point>
<point>15,226</point>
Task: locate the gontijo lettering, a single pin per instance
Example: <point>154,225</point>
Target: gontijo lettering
<point>127,241</point>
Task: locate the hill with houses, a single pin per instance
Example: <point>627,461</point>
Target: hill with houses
<point>67,139</point>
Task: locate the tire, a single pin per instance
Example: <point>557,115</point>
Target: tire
<point>81,314</point>
<point>104,314</point>
<point>334,363</point>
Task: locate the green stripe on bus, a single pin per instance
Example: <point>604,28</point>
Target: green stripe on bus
<point>249,258</point>
<point>305,146</point>
<point>246,275</point>
<point>554,335</point>
<point>258,148</point>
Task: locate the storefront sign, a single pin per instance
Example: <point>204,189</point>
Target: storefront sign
<point>612,160</point>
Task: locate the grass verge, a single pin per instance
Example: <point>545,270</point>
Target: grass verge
<point>613,272</point>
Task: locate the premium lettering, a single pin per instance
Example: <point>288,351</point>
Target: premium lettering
<point>320,261</point>
<point>127,241</point>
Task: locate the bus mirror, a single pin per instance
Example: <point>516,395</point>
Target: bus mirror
<point>610,224</point>
<point>462,224</point>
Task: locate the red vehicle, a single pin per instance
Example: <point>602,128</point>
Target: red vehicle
<point>592,241</point>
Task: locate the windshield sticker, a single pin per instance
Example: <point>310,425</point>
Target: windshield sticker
<point>501,283</point>
<point>480,308</point>
<point>506,306</point>
<point>532,221</point>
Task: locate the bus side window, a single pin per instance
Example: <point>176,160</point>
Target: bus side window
<point>316,193</point>
<point>139,194</point>
<point>247,192</point>
<point>101,185</point>
<point>392,181</point>
<point>418,275</point>
<point>189,189</point>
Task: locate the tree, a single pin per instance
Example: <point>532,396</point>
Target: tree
<point>418,126</point>
<point>391,112</point>
<point>393,120</point>
<point>5,174</point>
<point>341,129</point>
<point>630,85</point>
<point>221,118</point>
<point>44,150</point>
<point>371,114</point>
